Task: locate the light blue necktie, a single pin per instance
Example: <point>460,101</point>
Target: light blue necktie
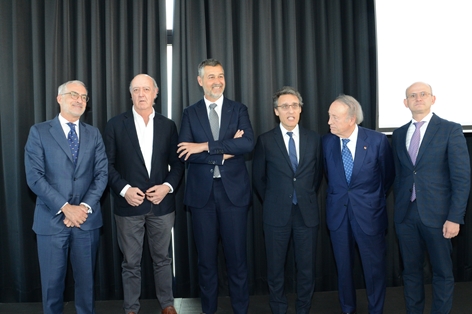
<point>73,142</point>
<point>292,153</point>
<point>413,151</point>
<point>347,160</point>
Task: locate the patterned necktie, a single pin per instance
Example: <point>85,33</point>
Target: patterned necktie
<point>215,130</point>
<point>292,153</point>
<point>347,160</point>
<point>73,142</point>
<point>413,151</point>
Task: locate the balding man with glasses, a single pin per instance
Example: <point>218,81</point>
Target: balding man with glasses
<point>431,191</point>
<point>66,167</point>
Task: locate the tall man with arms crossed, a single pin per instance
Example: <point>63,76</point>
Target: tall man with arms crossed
<point>431,191</point>
<point>66,167</point>
<point>287,187</point>
<point>217,191</point>
<point>140,145</point>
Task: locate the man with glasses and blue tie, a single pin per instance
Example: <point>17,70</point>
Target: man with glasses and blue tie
<point>431,191</point>
<point>66,167</point>
<point>287,171</point>
<point>359,169</point>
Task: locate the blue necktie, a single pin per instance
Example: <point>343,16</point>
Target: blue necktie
<point>413,151</point>
<point>347,160</point>
<point>73,142</point>
<point>292,153</point>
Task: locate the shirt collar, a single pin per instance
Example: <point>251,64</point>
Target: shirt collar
<point>284,130</point>
<point>136,115</point>
<point>425,119</point>
<point>218,102</point>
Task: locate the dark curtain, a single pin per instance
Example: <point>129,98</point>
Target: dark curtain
<point>322,47</point>
<point>44,44</point>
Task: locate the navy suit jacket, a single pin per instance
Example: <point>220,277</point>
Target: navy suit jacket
<point>274,180</point>
<point>126,163</point>
<point>52,176</point>
<point>372,176</point>
<point>441,174</point>
<point>195,128</point>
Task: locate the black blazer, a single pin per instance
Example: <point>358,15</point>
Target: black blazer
<point>126,162</point>
<point>274,180</point>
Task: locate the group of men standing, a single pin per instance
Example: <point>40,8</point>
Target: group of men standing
<point>142,159</point>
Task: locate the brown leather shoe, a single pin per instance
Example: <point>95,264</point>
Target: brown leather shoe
<point>169,310</point>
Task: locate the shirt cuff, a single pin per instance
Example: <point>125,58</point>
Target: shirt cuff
<point>170,187</point>
<point>125,189</point>
<point>89,209</point>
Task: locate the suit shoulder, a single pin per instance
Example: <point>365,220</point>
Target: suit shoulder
<point>448,123</point>
<point>328,137</point>
<point>162,119</point>
<point>267,133</point>
<point>373,133</point>
<point>400,129</point>
<point>119,117</point>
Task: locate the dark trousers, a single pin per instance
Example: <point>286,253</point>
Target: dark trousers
<point>414,239</point>
<point>372,251</point>
<point>130,240</point>
<point>53,252</point>
<point>220,219</point>
<point>277,239</point>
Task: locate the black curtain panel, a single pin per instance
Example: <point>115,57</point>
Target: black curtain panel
<point>321,47</point>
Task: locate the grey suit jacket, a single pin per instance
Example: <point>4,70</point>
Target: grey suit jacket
<point>52,176</point>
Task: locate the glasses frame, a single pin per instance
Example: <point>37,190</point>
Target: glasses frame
<point>75,96</point>
<point>419,95</point>
<point>286,107</point>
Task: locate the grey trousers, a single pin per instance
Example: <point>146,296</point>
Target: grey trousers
<point>130,240</point>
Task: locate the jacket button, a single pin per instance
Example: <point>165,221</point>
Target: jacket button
<point>294,179</point>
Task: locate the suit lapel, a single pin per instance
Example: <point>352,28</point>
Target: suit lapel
<point>226,113</point>
<point>202,115</point>
<point>401,144</point>
<point>84,142</point>
<point>130,127</point>
<point>279,140</point>
<point>361,151</point>
<point>431,130</point>
<point>302,145</point>
<point>334,156</point>
<point>58,134</point>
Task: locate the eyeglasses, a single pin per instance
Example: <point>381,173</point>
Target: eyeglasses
<point>76,96</point>
<point>419,95</point>
<point>286,107</point>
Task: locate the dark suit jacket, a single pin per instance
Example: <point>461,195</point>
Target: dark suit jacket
<point>274,180</point>
<point>195,128</point>
<point>52,176</point>
<point>372,176</point>
<point>126,162</point>
<point>441,174</point>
